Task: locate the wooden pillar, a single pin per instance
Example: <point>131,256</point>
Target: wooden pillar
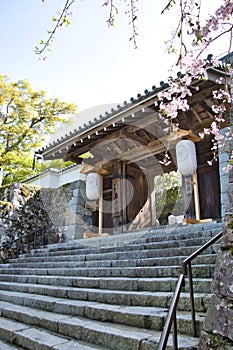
<point>196,196</point>
<point>124,195</point>
<point>151,197</point>
<point>116,196</point>
<point>101,206</point>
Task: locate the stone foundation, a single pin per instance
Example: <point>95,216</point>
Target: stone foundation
<point>218,326</point>
<point>60,213</point>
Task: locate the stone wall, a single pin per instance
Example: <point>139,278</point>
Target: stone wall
<point>226,178</point>
<point>55,214</point>
<point>66,209</point>
<point>218,326</point>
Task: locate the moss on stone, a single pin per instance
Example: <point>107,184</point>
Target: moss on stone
<point>6,205</point>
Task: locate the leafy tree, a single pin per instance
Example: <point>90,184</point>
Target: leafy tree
<point>56,164</point>
<point>26,117</point>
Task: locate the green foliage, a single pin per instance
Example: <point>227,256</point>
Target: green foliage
<point>168,195</point>
<point>230,223</point>
<point>56,164</point>
<point>5,205</point>
<point>60,21</point>
<point>26,118</point>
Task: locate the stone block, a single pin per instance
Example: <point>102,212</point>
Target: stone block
<point>80,201</point>
<point>106,335</point>
<point>69,219</point>
<point>70,232</point>
<point>87,212</point>
<point>118,284</point>
<point>33,338</point>
<point>219,318</point>
<point>79,209</point>
<point>86,282</point>
<point>87,219</point>
<point>74,185</point>
<point>214,341</point>
<point>75,193</point>
<point>224,182</point>
<point>223,157</point>
<point>223,278</point>
<point>70,307</point>
<point>71,327</point>
<point>79,231</point>
<point>8,328</point>
<point>71,345</point>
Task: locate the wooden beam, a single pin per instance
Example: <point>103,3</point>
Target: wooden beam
<point>79,150</point>
<point>196,114</point>
<point>86,168</point>
<point>202,94</point>
<point>134,137</point>
<point>181,133</point>
<point>207,105</point>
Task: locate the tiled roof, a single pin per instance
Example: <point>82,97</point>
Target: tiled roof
<point>62,141</point>
<point>91,123</point>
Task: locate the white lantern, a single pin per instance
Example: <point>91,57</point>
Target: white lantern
<point>93,186</point>
<point>186,157</point>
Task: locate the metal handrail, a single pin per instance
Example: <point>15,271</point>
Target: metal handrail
<point>20,238</point>
<point>171,317</point>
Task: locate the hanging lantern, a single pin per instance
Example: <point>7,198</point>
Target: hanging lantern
<point>186,157</point>
<point>93,186</point>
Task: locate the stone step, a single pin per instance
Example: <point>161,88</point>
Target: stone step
<point>156,234</point>
<point>129,255</point>
<point>200,271</point>
<point>167,284</point>
<point>197,230</point>
<point>129,298</point>
<point>5,346</point>
<point>107,292</point>
<point>162,233</point>
<point>166,261</point>
<point>33,336</point>
<point>113,252</point>
<point>150,318</point>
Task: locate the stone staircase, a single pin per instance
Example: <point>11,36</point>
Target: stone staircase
<point>108,295</point>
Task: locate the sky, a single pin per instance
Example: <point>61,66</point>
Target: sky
<point>90,64</point>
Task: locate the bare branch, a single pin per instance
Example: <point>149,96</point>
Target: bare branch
<point>59,22</point>
<point>113,11</point>
<point>168,6</point>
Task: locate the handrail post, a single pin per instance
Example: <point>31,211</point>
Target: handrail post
<point>171,315</point>
<point>174,332</point>
<point>190,277</point>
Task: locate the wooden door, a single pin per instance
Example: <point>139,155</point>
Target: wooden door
<point>209,192</point>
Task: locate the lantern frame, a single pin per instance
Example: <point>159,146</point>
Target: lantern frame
<point>93,186</point>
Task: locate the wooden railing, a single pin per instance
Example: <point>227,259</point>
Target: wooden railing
<point>171,320</point>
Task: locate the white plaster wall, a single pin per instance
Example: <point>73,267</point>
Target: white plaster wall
<point>54,178</point>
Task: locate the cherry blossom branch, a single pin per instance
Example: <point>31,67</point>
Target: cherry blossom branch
<point>230,30</point>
